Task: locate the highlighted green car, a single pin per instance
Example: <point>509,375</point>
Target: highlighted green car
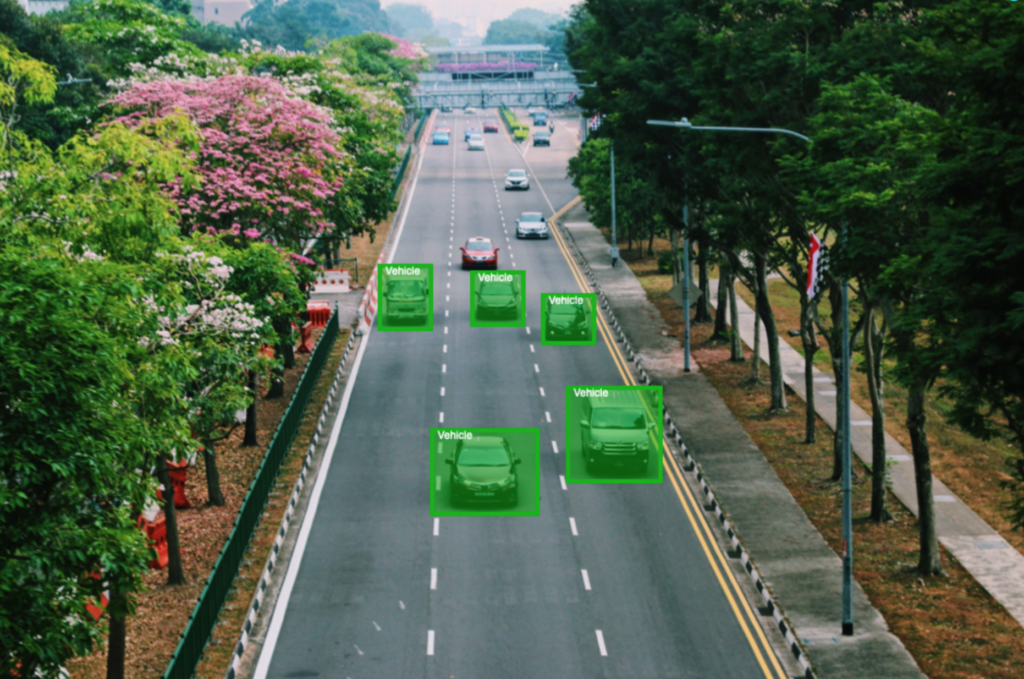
<point>484,471</point>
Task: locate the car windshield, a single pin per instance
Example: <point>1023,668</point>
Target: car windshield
<point>531,217</point>
<point>402,289</point>
<point>618,418</point>
<point>491,122</point>
<point>517,173</point>
<point>565,309</point>
<point>541,135</point>
<point>483,457</point>
<point>478,246</point>
<point>496,288</point>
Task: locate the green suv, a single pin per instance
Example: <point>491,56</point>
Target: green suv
<point>498,298</point>
<point>616,432</point>
<point>484,471</point>
<point>407,301</point>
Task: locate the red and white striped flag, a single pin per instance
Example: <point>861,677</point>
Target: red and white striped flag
<point>817,263</point>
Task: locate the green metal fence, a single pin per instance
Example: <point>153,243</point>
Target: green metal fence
<point>419,128</point>
<point>200,625</point>
<point>401,171</point>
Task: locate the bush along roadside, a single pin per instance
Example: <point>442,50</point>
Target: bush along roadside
<point>519,131</point>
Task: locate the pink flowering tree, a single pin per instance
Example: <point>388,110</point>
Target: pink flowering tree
<point>268,160</point>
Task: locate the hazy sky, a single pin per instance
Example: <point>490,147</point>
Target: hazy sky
<point>476,15</point>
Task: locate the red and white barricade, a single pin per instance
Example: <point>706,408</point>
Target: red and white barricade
<point>332,280</point>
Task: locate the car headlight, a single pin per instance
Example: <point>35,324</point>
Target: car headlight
<point>596,445</point>
<point>643,446</point>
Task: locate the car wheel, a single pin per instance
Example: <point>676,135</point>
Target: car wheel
<point>519,235</point>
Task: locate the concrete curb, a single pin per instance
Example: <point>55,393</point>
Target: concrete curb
<point>268,569</point>
<point>692,467</point>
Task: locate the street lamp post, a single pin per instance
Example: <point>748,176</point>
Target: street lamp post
<point>844,398</point>
<point>615,249</point>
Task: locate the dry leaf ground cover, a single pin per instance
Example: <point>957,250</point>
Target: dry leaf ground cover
<point>951,626</point>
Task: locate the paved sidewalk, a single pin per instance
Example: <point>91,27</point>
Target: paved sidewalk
<point>797,565</point>
<point>991,560</point>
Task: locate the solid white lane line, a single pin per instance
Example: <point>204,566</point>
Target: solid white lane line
<point>586,579</point>
<point>562,480</point>
<point>572,526</point>
<point>547,416</point>
<point>433,578</point>
<point>532,350</point>
<point>600,643</point>
<point>554,445</point>
<point>437,527</point>
<point>442,419</point>
<point>536,368</point>
<point>442,391</point>
<point>430,642</point>
<point>542,392</point>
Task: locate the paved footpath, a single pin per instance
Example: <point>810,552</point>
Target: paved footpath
<point>983,552</point>
<point>798,566</point>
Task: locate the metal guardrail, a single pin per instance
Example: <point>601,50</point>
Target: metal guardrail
<point>419,128</point>
<point>200,624</point>
<point>400,174</point>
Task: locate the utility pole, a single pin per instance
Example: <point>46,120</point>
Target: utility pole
<point>686,279</point>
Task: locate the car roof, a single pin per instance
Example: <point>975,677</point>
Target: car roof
<point>616,399</point>
<point>479,239</point>
<point>516,169</point>
<point>523,214</point>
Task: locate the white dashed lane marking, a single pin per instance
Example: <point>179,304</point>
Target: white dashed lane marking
<point>586,579</point>
<point>554,446</point>
<point>437,531</point>
<point>600,643</point>
<point>572,526</point>
<point>561,479</point>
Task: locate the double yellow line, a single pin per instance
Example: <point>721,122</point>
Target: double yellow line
<point>741,608</point>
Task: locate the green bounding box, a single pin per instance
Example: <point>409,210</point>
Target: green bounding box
<point>613,434</point>
<point>497,299</point>
<point>568,319</point>
<point>406,297</point>
<point>484,472</point>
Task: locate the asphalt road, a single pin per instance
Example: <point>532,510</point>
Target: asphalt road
<point>609,580</point>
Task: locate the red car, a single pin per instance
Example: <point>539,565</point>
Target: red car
<point>443,128</point>
<point>479,253</point>
<point>490,126</point>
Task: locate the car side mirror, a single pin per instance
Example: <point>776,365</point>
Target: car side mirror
<point>496,249</point>
<point>584,423</point>
<point>448,460</point>
<point>516,460</point>
<point>462,247</point>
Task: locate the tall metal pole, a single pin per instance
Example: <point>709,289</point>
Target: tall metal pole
<point>686,284</point>
<point>847,492</point>
<point>615,249</point>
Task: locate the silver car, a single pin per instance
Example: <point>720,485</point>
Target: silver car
<point>476,143</point>
<point>532,225</point>
<point>517,179</point>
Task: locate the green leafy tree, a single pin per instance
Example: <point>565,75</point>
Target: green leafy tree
<point>512,32</point>
<point>294,24</point>
<point>416,20</point>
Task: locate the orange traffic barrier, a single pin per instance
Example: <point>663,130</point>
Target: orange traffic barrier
<point>306,342</point>
<point>178,471</point>
<point>92,609</point>
<point>157,532</point>
<point>319,313</point>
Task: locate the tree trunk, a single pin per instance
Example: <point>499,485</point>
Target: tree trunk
<point>736,342</point>
<point>931,559</point>
<point>175,571</point>
<point>755,363</point>
<point>117,637</point>
<point>722,304</point>
<point>216,497</point>
<point>250,412</point>
<point>650,239</point>
<point>810,344</point>
<point>778,389</point>
<point>879,468</point>
<point>286,345</point>
<point>703,313</point>
<point>673,238</point>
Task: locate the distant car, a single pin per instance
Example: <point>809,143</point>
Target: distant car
<point>498,299</point>
<point>568,322</point>
<point>470,132</point>
<point>479,253</point>
<point>446,109</point>
<point>531,110</point>
<point>441,138</point>
<point>476,143</point>
<point>517,179</point>
<point>490,126</point>
<point>541,139</point>
<point>470,109</point>
<point>540,120</point>
<point>532,225</point>
<point>443,128</point>
<point>483,470</point>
